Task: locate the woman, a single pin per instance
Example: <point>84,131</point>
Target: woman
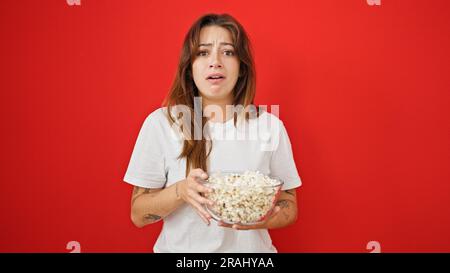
<point>180,143</point>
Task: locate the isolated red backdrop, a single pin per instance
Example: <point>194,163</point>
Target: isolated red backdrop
<point>363,91</point>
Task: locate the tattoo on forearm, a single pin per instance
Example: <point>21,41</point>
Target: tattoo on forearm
<point>283,203</point>
<point>152,217</point>
<point>291,192</point>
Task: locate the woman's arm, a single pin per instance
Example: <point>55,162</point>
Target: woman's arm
<point>285,213</point>
<point>151,205</point>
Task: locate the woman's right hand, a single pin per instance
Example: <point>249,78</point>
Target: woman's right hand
<point>190,189</point>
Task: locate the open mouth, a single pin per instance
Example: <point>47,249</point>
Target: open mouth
<point>215,78</point>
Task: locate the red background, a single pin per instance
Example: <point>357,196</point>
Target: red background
<point>363,91</point>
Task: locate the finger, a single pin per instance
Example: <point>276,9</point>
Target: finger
<point>200,209</point>
<point>197,186</point>
<point>275,211</point>
<point>193,194</point>
<point>201,200</point>
<point>240,227</point>
<point>237,227</point>
<point>202,188</point>
<point>198,173</point>
<point>222,224</point>
<point>271,214</point>
<point>203,217</point>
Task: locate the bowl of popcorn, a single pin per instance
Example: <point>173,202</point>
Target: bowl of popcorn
<point>244,198</point>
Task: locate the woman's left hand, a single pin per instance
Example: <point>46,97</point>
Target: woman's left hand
<point>262,225</point>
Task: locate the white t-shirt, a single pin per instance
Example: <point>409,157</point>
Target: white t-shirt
<point>262,144</point>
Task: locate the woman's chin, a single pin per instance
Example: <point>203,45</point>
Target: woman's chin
<point>215,94</point>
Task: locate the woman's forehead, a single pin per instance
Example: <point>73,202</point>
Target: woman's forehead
<point>215,35</point>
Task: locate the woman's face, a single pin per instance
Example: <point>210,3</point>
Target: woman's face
<point>216,66</point>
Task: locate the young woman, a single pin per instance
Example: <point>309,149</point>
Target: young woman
<point>208,124</point>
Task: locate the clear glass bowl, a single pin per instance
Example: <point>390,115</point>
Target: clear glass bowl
<point>242,197</point>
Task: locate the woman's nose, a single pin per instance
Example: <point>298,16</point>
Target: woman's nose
<point>215,65</point>
<point>215,61</point>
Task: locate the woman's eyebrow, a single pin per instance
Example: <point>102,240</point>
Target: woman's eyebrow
<point>210,44</point>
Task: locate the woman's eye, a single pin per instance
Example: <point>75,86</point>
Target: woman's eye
<point>229,52</point>
<point>202,53</point>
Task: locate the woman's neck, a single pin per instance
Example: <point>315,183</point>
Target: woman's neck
<point>217,111</point>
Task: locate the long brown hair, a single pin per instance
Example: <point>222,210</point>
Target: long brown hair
<point>184,90</point>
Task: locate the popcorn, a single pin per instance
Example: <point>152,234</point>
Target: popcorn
<point>243,198</point>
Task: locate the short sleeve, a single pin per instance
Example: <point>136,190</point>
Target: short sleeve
<point>147,164</point>
<point>282,164</point>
